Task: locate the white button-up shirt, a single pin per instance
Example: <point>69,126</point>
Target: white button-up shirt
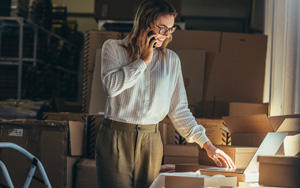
<point>145,94</point>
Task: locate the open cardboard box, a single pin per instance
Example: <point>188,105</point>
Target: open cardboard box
<point>269,146</point>
<point>212,126</point>
<point>251,130</point>
<point>193,167</point>
<point>240,155</point>
<point>191,180</point>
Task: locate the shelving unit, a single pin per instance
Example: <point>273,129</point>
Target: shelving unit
<point>37,52</point>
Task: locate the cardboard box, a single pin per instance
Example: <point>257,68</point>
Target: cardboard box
<point>251,130</point>
<point>241,156</point>
<point>214,132</point>
<point>269,146</point>
<point>174,154</point>
<point>224,84</point>
<point>243,109</point>
<point>93,41</point>
<point>193,182</point>
<point>196,40</point>
<point>163,129</point>
<point>97,97</point>
<point>244,82</point>
<point>47,141</point>
<point>171,136</point>
<point>122,10</point>
<point>181,167</point>
<point>189,167</point>
<point>291,145</point>
<point>91,125</point>
<point>66,106</point>
<point>87,81</point>
<point>193,68</point>
<point>216,135</point>
<point>179,159</point>
<point>86,174</point>
<point>279,171</point>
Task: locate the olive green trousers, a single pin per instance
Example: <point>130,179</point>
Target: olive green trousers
<point>127,155</point>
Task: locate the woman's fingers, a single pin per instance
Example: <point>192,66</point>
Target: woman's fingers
<point>150,39</point>
<point>216,154</point>
<point>225,158</point>
<point>217,161</point>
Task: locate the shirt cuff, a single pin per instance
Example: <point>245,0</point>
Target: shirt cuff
<point>140,64</point>
<point>202,140</point>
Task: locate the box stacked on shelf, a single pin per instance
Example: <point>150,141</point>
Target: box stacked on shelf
<point>40,13</point>
<point>19,8</point>
<point>77,39</point>
<point>59,20</point>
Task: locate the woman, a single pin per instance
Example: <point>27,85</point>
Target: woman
<point>143,83</point>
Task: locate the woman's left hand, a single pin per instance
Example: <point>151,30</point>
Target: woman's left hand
<point>216,154</point>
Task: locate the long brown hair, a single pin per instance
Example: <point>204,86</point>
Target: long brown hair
<point>147,13</point>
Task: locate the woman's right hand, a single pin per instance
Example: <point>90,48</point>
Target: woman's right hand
<point>147,49</point>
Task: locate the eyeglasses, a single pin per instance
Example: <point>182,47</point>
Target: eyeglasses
<point>164,30</point>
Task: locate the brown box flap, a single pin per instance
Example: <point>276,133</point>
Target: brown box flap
<point>248,124</point>
<point>286,123</point>
<point>262,123</point>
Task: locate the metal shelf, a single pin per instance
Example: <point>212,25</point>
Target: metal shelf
<point>21,24</point>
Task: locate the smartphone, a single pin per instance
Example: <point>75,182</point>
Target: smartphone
<point>150,33</point>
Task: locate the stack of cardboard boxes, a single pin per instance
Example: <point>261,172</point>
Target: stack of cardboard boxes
<point>63,142</point>
<point>177,150</point>
<point>57,144</point>
<point>247,134</point>
<point>213,63</point>
<point>84,171</point>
